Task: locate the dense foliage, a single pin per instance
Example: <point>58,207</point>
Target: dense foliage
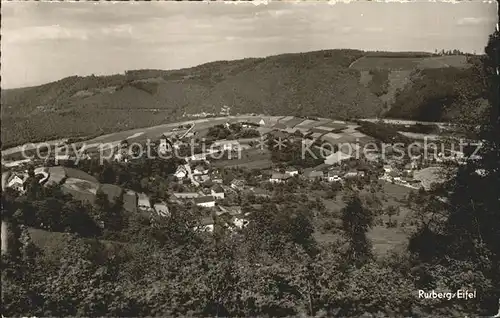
<point>440,94</point>
<point>382,132</point>
<point>379,84</point>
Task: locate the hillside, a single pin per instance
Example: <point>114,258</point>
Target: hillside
<point>321,83</point>
<point>440,94</point>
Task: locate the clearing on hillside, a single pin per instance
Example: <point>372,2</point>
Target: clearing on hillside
<point>80,189</point>
<point>79,174</point>
<point>408,63</point>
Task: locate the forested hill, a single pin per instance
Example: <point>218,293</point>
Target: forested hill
<point>321,83</point>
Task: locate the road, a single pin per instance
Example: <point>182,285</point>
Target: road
<point>155,132</point>
<point>188,131</point>
<point>141,134</point>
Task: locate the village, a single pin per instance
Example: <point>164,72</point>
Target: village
<point>201,178</point>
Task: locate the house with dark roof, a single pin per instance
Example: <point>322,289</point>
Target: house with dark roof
<point>277,177</point>
<point>258,192</point>
<point>217,192</point>
<point>354,174</point>
<point>185,195</point>
<point>231,210</point>
<point>202,177</point>
<point>314,175</point>
<point>277,134</point>
<point>291,171</point>
<point>130,201</point>
<point>207,201</point>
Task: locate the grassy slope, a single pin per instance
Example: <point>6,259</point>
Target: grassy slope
<point>309,83</point>
<point>383,238</point>
<point>418,85</point>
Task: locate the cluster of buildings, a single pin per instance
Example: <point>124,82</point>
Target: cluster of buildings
<point>18,180</point>
<point>207,189</point>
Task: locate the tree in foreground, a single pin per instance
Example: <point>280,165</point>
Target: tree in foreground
<point>468,235</point>
<point>356,221</point>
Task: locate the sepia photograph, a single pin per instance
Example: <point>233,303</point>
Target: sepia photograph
<point>250,159</point>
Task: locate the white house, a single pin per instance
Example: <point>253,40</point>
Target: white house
<point>181,172</point>
<point>161,209</point>
<point>143,201</point>
<point>205,201</point>
<point>217,179</point>
<point>198,157</point>
<point>277,177</point>
<point>227,145</point>
<point>217,192</point>
<point>351,174</point>
<point>334,176</point>
<point>164,147</point>
<point>240,222</point>
<point>262,122</point>
<point>387,168</point>
<point>16,183</point>
<point>291,171</point>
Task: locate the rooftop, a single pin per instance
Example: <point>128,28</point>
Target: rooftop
<point>315,174</point>
<point>218,189</point>
<point>185,194</point>
<point>204,199</point>
<point>277,175</point>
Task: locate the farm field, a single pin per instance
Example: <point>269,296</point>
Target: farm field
<point>383,239</point>
<point>54,243</point>
<point>420,136</point>
<point>251,159</point>
<point>429,175</point>
<point>408,63</point>
<point>308,123</point>
<point>111,190</point>
<point>130,201</point>
<point>57,174</point>
<point>293,122</point>
<point>83,186</point>
<point>79,174</point>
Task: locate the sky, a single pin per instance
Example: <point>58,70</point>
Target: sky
<point>47,41</point>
